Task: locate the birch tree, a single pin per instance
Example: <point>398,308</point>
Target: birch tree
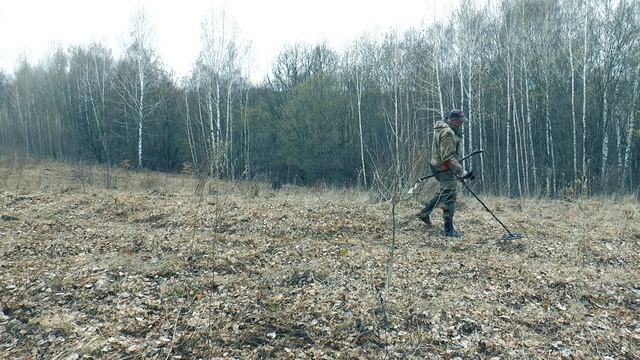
<point>359,56</point>
<point>93,67</point>
<point>584,94</point>
<point>220,63</point>
<point>573,104</point>
<point>138,74</point>
<point>630,132</point>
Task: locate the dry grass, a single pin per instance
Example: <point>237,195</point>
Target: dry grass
<point>121,264</point>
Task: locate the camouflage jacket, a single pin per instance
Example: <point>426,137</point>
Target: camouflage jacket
<point>446,151</point>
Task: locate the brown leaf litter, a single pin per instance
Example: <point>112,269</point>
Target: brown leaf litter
<point>244,272</point>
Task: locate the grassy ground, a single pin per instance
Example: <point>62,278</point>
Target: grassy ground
<point>97,264</point>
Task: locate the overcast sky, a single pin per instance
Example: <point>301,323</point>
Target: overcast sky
<point>31,27</point>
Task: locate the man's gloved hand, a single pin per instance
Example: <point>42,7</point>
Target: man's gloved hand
<point>468,175</point>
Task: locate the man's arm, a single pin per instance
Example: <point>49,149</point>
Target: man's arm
<point>448,148</point>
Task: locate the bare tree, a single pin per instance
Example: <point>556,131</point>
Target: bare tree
<point>138,74</point>
<point>94,68</point>
<point>573,104</point>
<point>360,72</point>
<point>584,93</point>
<point>630,131</point>
<point>219,59</point>
<point>189,127</point>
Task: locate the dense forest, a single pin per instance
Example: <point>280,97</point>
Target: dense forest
<point>550,88</point>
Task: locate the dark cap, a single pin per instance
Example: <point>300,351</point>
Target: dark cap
<point>457,114</point>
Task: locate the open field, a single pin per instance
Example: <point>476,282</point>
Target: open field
<point>163,266</point>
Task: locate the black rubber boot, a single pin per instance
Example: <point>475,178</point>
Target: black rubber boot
<point>424,216</point>
<point>449,230</point>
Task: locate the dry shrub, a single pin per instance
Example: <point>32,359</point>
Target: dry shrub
<point>254,190</point>
<point>150,181</point>
<point>82,174</point>
<point>576,189</point>
<point>6,174</point>
<point>212,188</point>
<point>187,169</point>
<point>568,193</point>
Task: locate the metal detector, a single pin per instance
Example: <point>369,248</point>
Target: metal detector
<point>506,237</point>
<point>415,186</point>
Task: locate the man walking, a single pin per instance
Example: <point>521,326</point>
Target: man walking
<point>446,151</point>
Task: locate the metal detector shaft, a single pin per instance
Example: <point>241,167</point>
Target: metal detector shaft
<point>479,151</point>
<point>486,208</point>
<point>475,152</point>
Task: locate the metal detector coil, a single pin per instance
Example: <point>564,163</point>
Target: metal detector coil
<point>511,236</point>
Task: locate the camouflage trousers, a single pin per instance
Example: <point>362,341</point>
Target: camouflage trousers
<point>446,196</point>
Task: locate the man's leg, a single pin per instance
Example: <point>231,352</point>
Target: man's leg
<point>432,204</point>
<point>449,209</point>
<point>424,214</point>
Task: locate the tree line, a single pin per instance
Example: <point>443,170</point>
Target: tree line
<point>550,88</point>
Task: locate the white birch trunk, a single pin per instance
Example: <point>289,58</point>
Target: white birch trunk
<point>529,131</point>
<point>139,144</point>
<point>470,124</point>
<point>397,129</point>
<point>453,89</point>
<point>584,101</point>
<point>618,125</point>
<point>25,126</point>
<point>212,128</point>
<point>102,83</point>
<point>247,146</point>
<point>626,173</point>
<point>141,41</point>
<point>573,112</point>
<point>605,138</point>
<point>508,144</point>
<point>524,148</point>
<point>218,117</point>
<point>359,100</point>
<point>229,133</point>
<point>201,116</point>
<point>516,137</point>
<point>190,137</point>
<point>498,154</point>
<point>630,129</point>
<point>480,122</point>
<point>218,128</point>
<point>94,110</point>
<point>437,62</point>
<point>461,75</point>
<point>551,172</point>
